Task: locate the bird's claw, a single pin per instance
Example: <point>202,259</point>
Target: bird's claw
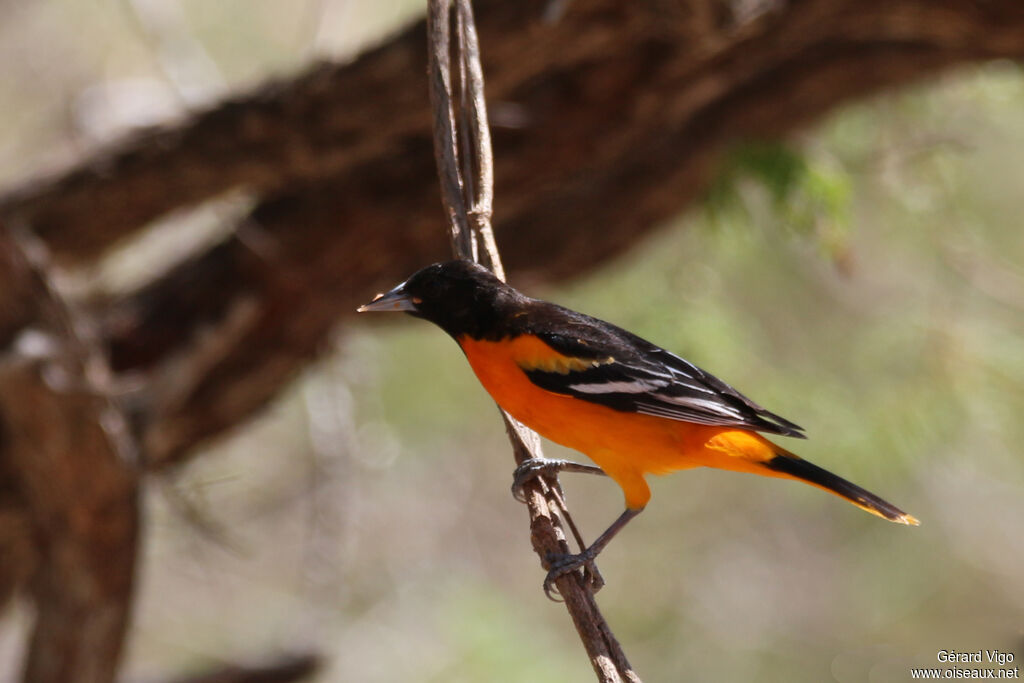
<point>530,469</point>
<point>560,565</point>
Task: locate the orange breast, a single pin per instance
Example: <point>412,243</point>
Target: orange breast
<point>625,445</point>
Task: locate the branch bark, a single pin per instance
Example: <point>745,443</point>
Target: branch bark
<point>462,149</point>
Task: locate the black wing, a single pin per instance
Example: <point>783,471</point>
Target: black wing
<point>627,373</point>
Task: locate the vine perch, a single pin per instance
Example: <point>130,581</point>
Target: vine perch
<point>462,149</point>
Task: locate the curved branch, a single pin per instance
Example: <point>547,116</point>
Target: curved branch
<point>607,123</point>
<point>575,91</point>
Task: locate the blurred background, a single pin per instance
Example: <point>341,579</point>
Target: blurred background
<point>864,279</point>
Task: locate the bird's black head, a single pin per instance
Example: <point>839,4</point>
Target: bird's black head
<point>461,297</point>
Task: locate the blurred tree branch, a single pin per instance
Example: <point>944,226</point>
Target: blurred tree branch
<point>285,670</point>
<point>607,121</point>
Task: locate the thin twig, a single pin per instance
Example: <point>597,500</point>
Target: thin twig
<point>465,166</point>
<point>445,151</point>
<point>477,133</point>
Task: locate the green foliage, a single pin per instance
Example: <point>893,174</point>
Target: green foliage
<point>807,194</point>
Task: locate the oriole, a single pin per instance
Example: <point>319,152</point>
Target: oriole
<point>632,407</point>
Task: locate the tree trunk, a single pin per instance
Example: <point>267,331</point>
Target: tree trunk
<point>72,478</point>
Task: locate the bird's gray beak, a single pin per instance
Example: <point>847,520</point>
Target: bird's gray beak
<point>395,300</point>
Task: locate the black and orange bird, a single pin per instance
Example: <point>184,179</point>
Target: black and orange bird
<point>630,406</point>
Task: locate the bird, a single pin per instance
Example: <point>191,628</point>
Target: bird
<point>629,405</point>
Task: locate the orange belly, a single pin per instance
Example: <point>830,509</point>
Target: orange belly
<point>625,445</point>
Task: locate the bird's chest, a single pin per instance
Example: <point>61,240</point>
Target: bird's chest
<point>584,426</point>
<point>499,366</point>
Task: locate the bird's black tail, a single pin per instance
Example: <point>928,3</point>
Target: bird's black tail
<point>798,468</point>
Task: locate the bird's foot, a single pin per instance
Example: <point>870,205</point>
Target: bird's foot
<point>560,565</point>
<point>531,468</point>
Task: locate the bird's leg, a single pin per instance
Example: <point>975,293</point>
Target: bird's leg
<point>563,564</point>
<point>535,467</point>
<point>532,468</point>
